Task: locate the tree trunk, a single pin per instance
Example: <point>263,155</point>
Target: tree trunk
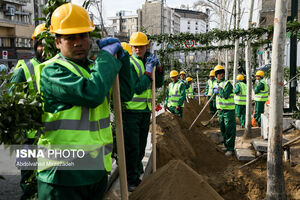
<point>227,42</point>
<point>275,185</point>
<point>247,133</point>
<point>236,45</point>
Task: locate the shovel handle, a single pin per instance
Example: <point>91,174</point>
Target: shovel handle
<point>202,111</point>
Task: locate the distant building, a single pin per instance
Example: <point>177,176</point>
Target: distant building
<point>192,21</point>
<point>266,10</point>
<point>124,24</point>
<point>154,21</point>
<point>16,28</point>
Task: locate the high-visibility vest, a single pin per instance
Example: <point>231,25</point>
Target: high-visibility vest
<point>240,98</point>
<point>211,85</point>
<point>174,93</point>
<point>140,101</point>
<point>29,71</point>
<point>190,92</point>
<point>78,126</point>
<point>262,95</point>
<point>222,103</point>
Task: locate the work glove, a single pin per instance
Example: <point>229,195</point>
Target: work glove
<point>216,89</point>
<point>107,41</point>
<point>150,63</point>
<point>112,46</point>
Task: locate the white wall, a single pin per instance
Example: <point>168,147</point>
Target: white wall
<point>184,25</point>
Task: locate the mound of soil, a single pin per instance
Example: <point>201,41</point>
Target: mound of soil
<point>199,152</point>
<point>191,111</point>
<point>175,181</point>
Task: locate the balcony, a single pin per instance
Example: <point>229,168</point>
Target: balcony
<point>16,42</point>
<point>19,2</point>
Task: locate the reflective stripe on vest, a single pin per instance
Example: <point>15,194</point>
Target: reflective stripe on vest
<point>79,126</point>
<point>190,92</point>
<point>211,84</point>
<point>144,100</point>
<point>222,103</point>
<point>262,95</point>
<point>174,93</point>
<point>240,98</point>
<point>29,71</point>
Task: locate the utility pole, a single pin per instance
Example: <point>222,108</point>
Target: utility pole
<point>293,59</point>
<point>247,132</point>
<point>275,177</point>
<point>236,45</point>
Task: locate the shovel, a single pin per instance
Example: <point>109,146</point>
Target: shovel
<point>211,98</point>
<point>205,123</point>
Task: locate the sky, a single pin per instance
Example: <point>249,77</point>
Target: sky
<point>110,7</point>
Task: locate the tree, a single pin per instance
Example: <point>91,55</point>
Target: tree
<point>247,133</point>
<point>275,184</point>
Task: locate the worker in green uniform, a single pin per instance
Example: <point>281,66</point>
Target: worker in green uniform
<point>190,91</point>
<point>240,94</point>
<point>209,92</point>
<point>175,95</point>
<point>226,107</point>
<point>76,95</point>
<point>25,69</point>
<point>24,72</point>
<point>137,111</point>
<point>182,76</point>
<point>261,95</point>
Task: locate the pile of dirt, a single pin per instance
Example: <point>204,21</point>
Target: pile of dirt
<point>175,181</point>
<point>200,153</point>
<point>191,111</point>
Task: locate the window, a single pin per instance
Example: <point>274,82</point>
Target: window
<point>188,22</point>
<point>196,23</point>
<point>196,28</point>
<point>124,27</point>
<point>123,20</point>
<point>114,21</point>
<point>188,28</point>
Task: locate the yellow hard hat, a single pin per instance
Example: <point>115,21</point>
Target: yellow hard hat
<point>138,39</point>
<point>70,19</point>
<point>173,73</point>
<point>260,73</point>
<point>188,79</point>
<point>212,73</point>
<point>240,77</point>
<point>40,28</point>
<point>182,72</point>
<point>218,68</point>
<point>127,47</point>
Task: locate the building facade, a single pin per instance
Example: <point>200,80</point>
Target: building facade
<point>192,21</point>
<point>16,27</point>
<point>156,18</point>
<point>122,23</point>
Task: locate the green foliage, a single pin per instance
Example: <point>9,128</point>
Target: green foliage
<point>20,111</point>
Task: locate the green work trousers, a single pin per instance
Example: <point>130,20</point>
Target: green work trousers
<point>241,113</point>
<point>28,179</point>
<point>28,188</point>
<point>136,128</point>
<point>48,191</point>
<point>228,128</point>
<point>212,106</point>
<point>259,109</point>
<point>173,110</point>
